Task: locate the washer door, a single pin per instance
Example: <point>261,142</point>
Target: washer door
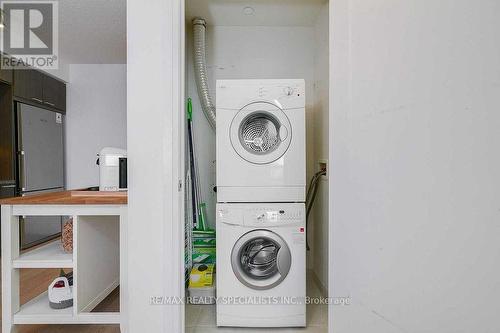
<point>261,259</point>
<point>260,133</point>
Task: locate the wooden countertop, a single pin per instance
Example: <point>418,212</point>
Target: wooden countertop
<point>70,198</point>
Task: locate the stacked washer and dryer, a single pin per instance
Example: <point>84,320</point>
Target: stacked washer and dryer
<point>261,178</point>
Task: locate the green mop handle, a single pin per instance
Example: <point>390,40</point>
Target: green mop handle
<point>202,225</point>
<point>189,109</point>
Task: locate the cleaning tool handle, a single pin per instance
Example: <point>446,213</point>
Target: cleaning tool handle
<point>203,225</point>
<point>189,109</point>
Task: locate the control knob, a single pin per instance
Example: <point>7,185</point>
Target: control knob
<point>288,91</point>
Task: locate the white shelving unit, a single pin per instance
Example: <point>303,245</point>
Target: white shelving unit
<point>38,311</point>
<point>50,255</point>
<point>98,263</point>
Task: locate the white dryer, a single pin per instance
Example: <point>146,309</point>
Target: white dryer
<point>261,141</point>
<point>261,265</point>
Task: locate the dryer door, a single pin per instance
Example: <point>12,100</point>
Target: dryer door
<point>261,259</point>
<point>260,133</point>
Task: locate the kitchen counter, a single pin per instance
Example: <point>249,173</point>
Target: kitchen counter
<point>70,198</point>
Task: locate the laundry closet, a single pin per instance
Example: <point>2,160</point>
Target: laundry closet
<point>262,68</point>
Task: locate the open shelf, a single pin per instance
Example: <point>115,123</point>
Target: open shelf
<point>50,255</point>
<point>38,311</point>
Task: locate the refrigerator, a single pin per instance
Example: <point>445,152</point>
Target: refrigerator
<point>40,167</point>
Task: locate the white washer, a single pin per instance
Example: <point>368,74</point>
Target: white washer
<point>261,265</point>
<point>261,141</point>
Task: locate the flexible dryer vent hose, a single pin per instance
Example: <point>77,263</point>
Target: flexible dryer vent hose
<point>200,70</point>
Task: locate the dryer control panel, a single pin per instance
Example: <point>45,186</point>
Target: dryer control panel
<point>234,94</point>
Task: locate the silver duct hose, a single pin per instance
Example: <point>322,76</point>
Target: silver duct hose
<point>200,70</point>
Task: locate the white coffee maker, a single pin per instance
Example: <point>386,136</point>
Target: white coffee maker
<point>112,169</point>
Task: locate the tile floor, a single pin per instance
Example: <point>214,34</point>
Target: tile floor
<point>202,318</point>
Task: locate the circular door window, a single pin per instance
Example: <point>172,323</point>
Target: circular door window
<point>260,133</point>
<point>261,259</point>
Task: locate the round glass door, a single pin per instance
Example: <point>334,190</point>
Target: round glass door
<point>260,133</point>
<point>261,259</point>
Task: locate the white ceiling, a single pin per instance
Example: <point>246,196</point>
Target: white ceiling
<point>93,31</point>
<point>267,12</point>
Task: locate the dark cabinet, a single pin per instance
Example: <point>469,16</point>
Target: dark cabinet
<point>39,88</point>
<point>6,75</point>
<point>7,190</point>
<point>28,84</point>
<point>7,157</point>
<point>54,93</point>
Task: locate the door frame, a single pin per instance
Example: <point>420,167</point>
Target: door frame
<point>338,100</point>
<point>155,144</point>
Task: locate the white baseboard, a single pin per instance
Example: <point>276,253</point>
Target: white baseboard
<point>99,298</point>
<point>322,288</point>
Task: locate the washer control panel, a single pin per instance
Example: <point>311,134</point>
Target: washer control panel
<point>229,216</point>
<point>261,214</point>
<point>271,216</point>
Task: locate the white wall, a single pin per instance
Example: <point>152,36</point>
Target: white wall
<point>62,72</point>
<point>248,53</point>
<point>96,118</point>
<point>415,188</point>
<point>155,68</point>
<point>320,130</point>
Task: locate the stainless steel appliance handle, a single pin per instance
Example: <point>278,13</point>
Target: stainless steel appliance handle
<point>22,166</point>
<point>20,154</point>
<point>22,222</point>
<point>49,103</point>
<point>37,99</point>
